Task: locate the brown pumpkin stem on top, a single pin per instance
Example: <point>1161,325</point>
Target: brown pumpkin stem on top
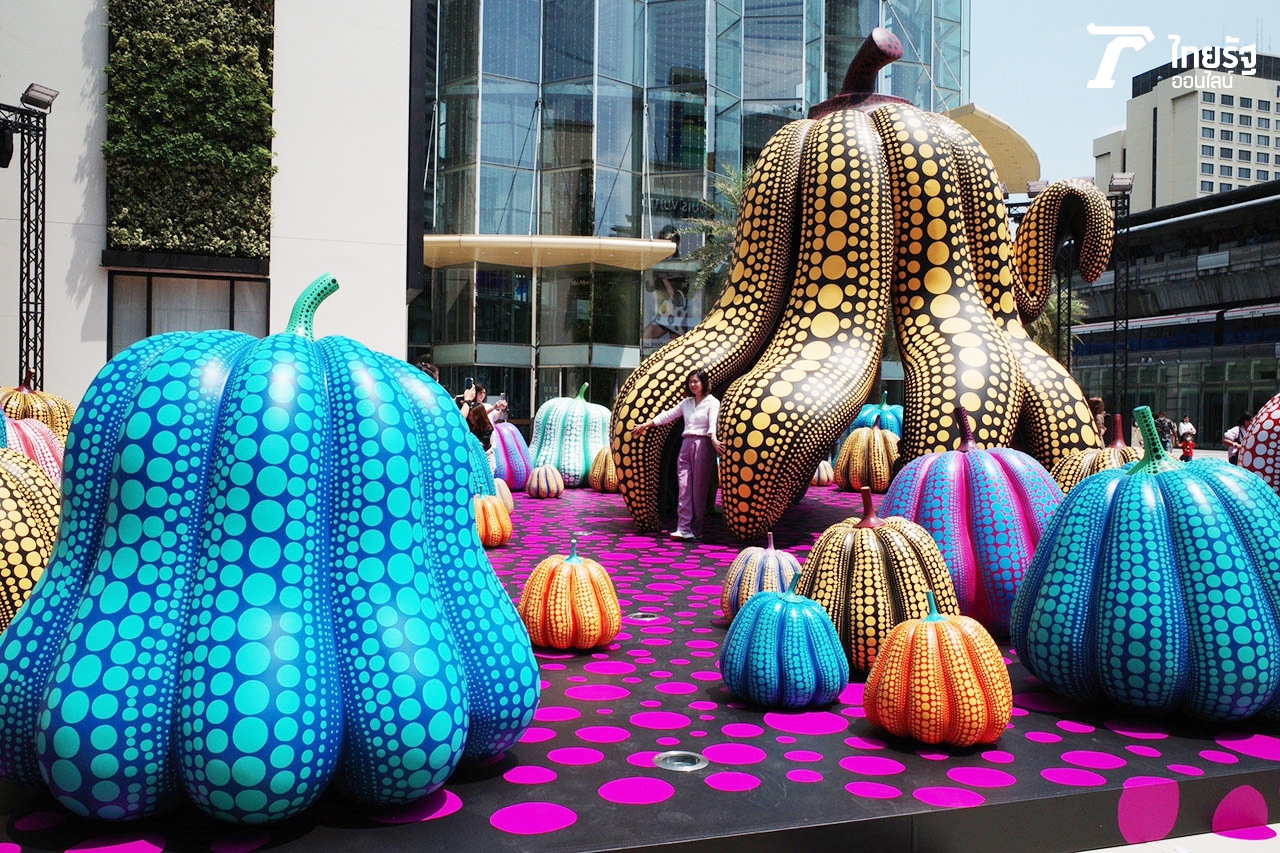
<point>859,89</point>
<point>966,432</point>
<point>870,521</point>
<point>1117,432</point>
<point>28,382</point>
<point>876,423</point>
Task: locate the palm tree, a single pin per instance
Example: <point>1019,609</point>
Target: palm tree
<point>1044,329</point>
<point>718,229</point>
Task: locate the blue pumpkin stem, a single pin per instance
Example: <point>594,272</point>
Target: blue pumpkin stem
<point>966,432</point>
<point>573,552</point>
<point>302,320</point>
<point>1155,458</point>
<point>934,614</point>
<point>582,391</point>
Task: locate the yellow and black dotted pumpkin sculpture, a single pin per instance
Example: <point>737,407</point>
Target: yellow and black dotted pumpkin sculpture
<point>29,507</point>
<point>604,474</point>
<point>867,459</point>
<point>545,482</point>
<point>869,209</point>
<point>1074,467</point>
<point>26,401</point>
<point>871,573</point>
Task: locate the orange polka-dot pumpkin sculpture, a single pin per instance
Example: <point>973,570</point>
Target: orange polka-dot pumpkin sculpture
<point>940,679</point>
<point>867,459</point>
<point>570,603</point>
<point>870,210</point>
<point>1074,467</point>
<point>493,521</point>
<point>604,474</point>
<point>29,508</point>
<point>27,401</point>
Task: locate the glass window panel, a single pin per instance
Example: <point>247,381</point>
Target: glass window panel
<point>813,79</point>
<point>619,125</point>
<point>508,200</point>
<point>773,7</point>
<point>760,121</point>
<point>568,203</point>
<point>773,54</point>
<point>251,308</point>
<point>678,129</point>
<point>622,40</point>
<point>813,20</point>
<point>508,133</point>
<point>510,38</point>
<point>617,203</point>
<point>615,307</point>
<point>728,153</point>
<point>567,125</point>
<point>564,307</point>
<point>460,43</point>
<point>503,312</point>
<point>459,122</point>
<point>452,306</point>
<point>568,39</point>
<point>674,198</point>
<point>420,325</point>
<point>128,311</point>
<point>677,42</point>
<point>189,304</point>
<point>728,52</point>
<point>457,202</point>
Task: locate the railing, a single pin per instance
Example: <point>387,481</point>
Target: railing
<point>1238,259</point>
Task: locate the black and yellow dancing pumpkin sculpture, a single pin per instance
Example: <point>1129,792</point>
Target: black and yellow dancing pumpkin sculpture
<point>868,209</point>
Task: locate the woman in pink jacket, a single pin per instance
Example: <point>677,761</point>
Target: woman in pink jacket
<point>696,466</point>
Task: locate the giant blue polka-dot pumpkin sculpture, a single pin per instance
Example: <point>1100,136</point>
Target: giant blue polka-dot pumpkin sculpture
<point>267,578</point>
<point>1157,586</point>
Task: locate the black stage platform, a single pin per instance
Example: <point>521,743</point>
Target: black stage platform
<point>1061,778</point>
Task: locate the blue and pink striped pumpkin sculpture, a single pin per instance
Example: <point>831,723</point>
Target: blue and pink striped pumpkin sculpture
<point>510,455</point>
<point>568,432</point>
<point>1157,587</point>
<point>267,578</point>
<point>986,510</point>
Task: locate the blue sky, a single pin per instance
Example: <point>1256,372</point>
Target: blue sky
<point>1032,61</point>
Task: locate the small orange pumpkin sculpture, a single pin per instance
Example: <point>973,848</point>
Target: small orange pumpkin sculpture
<point>570,603</point>
<point>1074,467</point>
<point>545,481</point>
<point>493,521</point>
<point>25,401</point>
<point>604,474</point>
<point>824,475</point>
<point>866,459</point>
<point>940,679</point>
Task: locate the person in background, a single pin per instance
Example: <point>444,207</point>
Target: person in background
<point>1186,428</point>
<point>1165,428</point>
<point>696,466</point>
<point>1188,448</point>
<point>1234,437</point>
<point>476,413</point>
<point>1099,410</point>
<point>424,364</point>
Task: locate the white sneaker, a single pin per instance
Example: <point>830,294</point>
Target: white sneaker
<point>681,534</point>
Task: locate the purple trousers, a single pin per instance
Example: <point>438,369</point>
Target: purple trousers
<point>695,470</point>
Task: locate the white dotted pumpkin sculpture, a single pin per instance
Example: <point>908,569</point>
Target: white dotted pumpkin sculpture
<point>568,432</point>
<point>1261,450</point>
<point>868,210</point>
<point>35,439</point>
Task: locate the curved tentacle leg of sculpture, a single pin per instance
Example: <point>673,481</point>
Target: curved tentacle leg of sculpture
<point>781,417</point>
<point>732,334</point>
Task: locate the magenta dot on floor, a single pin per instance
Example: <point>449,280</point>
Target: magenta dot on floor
<point>1076,728</point>
<point>576,755</point>
<point>556,713</point>
<point>597,693</point>
<point>1137,730</point>
<point>1093,760</point>
<point>1217,756</point>
<point>804,775</point>
<point>703,705</point>
<point>1243,808</point>
<point>705,675</point>
<point>865,742</point>
<point>1144,751</point>
<point>806,722</point>
<point>1148,808</point>
<point>660,720</point>
<point>803,755</point>
<point>852,694</point>
<point>873,790</point>
<point>637,791</point>
<point>536,734</point>
<point>609,667</point>
<point>533,818</point>
<point>1254,746</point>
<point>530,774</point>
<point>603,734</point>
<point>667,741</point>
<point>642,759</point>
<point>742,730</point>
<point>1073,777</point>
<point>872,765</point>
<point>998,756</point>
<point>677,688</point>
<point>981,777</point>
<point>1186,769</point>
<point>1044,737</point>
<point>930,755</point>
<point>732,780</point>
<point>146,844</point>
<point>948,797</point>
<point>734,753</point>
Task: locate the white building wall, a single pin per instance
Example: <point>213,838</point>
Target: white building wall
<point>61,44</point>
<point>339,199</point>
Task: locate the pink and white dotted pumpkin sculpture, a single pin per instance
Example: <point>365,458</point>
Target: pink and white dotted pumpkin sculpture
<point>36,441</point>
<point>1261,451</point>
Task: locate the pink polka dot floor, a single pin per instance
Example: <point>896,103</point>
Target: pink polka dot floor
<point>583,777</point>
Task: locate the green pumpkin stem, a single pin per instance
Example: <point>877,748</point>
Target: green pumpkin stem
<point>583,390</point>
<point>884,399</point>
<point>934,614</point>
<point>1155,458</point>
<point>966,432</point>
<point>795,581</point>
<point>870,521</point>
<point>302,320</point>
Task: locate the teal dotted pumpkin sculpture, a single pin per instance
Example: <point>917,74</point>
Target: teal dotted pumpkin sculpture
<point>1156,587</point>
<point>782,651</point>
<point>568,432</point>
<point>482,478</point>
<point>890,416</point>
<point>267,578</point>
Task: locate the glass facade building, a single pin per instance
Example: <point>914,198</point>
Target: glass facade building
<point>611,118</point>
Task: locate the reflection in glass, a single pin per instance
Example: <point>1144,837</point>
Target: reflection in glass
<point>457,201</point>
<point>503,314</point>
<point>622,40</point>
<point>617,203</point>
<point>772,57</point>
<point>508,134</point>
<point>567,138</point>
<point>774,7</point>
<point>615,307</point>
<point>568,203</point>
<point>728,51</point>
<point>568,38</point>
<point>619,125</point>
<point>460,46</point>
<point>760,121</point>
<point>728,153</point>
<point>451,298</point>
<point>678,128</point>
<point>677,42</point>
<point>511,43</point>
<point>459,108</point>
<point>508,194</point>
<point>564,306</point>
